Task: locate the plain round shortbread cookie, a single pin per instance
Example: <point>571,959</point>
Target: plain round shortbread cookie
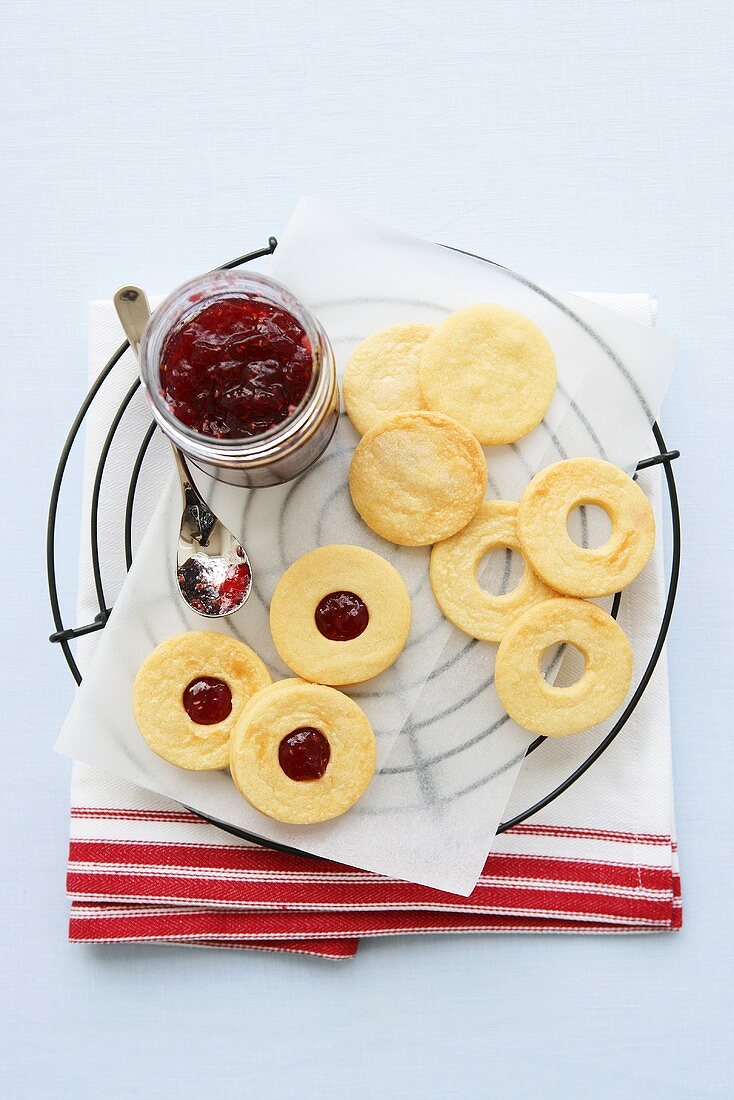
<point>554,711</point>
<point>316,575</point>
<point>381,377</point>
<point>164,676</point>
<point>455,581</point>
<point>275,713</point>
<point>492,369</point>
<point>544,509</point>
<point>417,478</point>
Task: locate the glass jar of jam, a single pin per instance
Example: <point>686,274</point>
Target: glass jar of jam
<point>241,377</point>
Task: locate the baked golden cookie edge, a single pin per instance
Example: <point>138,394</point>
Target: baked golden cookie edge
<point>417,478</point>
<point>548,500</point>
<point>543,708</point>
<point>310,579</point>
<point>274,714</point>
<point>157,697</point>
<point>381,376</point>
<point>492,369</point>
<point>454,574</point>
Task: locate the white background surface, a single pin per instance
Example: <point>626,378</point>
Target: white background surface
<point>588,145</point>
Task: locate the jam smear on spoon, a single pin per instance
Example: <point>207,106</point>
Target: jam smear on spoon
<point>214,586</point>
<point>236,368</point>
<point>342,616</point>
<point>207,700</point>
<point>304,754</point>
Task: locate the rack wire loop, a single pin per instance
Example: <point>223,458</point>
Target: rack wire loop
<point>63,635</point>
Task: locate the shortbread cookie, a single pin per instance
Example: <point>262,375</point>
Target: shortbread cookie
<point>417,478</point>
<point>544,708</point>
<point>455,581</point>
<point>381,378</point>
<point>302,753</point>
<point>492,369</point>
<point>544,509</point>
<point>340,615</point>
<point>189,693</point>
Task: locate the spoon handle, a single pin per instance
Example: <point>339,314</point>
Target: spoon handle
<point>133,309</point>
<point>198,517</point>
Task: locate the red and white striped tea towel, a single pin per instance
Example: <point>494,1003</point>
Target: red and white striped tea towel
<point>144,869</point>
<point>601,858</point>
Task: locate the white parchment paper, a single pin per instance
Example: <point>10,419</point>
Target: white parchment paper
<point>448,755</point>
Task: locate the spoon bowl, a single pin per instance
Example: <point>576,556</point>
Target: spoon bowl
<point>213,571</point>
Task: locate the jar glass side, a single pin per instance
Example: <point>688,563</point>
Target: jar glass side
<point>282,451</point>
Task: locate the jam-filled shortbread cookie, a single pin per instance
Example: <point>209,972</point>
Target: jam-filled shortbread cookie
<point>339,615</point>
<point>492,369</point>
<point>381,378</point>
<point>544,708</point>
<point>455,581</point>
<point>190,692</point>
<point>544,509</point>
<point>302,753</point>
<point>417,478</point>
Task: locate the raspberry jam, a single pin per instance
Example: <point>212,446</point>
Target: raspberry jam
<point>236,368</point>
<point>207,700</point>
<point>304,754</point>
<point>214,585</point>
<point>342,616</point>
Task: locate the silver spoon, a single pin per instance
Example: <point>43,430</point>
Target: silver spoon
<point>213,571</point>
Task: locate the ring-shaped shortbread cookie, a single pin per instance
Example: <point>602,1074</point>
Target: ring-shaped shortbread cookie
<point>165,675</point>
<point>340,571</point>
<point>417,478</point>
<point>381,377</point>
<point>319,734</point>
<point>492,369</point>
<point>455,580</point>
<point>544,509</point>
<point>554,711</point>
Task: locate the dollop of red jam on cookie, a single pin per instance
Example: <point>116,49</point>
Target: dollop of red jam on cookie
<point>207,700</point>
<point>304,754</point>
<point>342,616</point>
<point>236,369</point>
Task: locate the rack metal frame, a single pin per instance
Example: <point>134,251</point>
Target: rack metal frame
<point>64,635</point>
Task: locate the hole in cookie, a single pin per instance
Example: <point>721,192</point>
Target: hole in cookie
<point>304,754</point>
<point>342,616</point>
<point>500,570</point>
<point>207,700</point>
<point>562,665</point>
<point>589,526</point>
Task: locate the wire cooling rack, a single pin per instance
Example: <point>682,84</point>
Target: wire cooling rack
<point>65,635</point>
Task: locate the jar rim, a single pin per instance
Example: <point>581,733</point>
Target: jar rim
<point>184,302</point>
